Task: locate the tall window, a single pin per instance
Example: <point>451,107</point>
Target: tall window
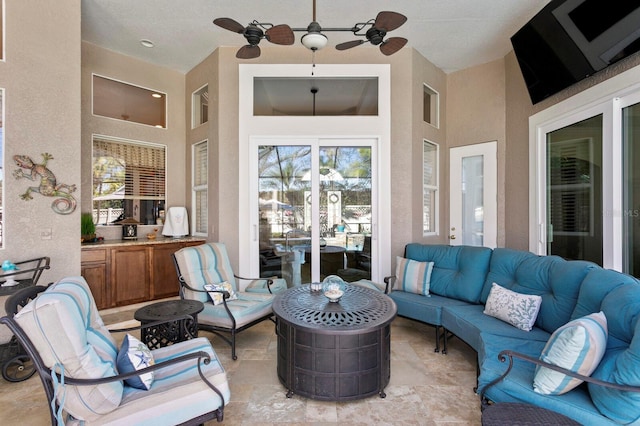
<point>128,180</point>
<point>200,172</point>
<point>429,188</point>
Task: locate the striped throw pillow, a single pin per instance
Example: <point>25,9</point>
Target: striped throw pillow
<point>578,346</point>
<point>413,276</point>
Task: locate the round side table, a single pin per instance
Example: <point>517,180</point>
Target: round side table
<point>172,330</point>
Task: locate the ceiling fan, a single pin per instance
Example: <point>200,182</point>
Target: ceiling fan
<point>254,32</point>
<point>374,31</point>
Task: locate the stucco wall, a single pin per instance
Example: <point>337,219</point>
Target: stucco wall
<point>475,114</point>
<point>41,78</point>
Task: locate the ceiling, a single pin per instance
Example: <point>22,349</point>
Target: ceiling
<point>451,34</point>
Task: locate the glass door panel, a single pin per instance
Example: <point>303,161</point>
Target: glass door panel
<point>314,212</point>
<point>574,191</point>
<point>345,212</point>
<point>284,211</point>
<point>631,188</point>
<point>473,201</point>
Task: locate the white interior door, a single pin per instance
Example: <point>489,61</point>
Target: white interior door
<point>473,179</point>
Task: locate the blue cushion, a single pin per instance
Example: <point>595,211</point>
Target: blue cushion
<point>420,308</point>
<point>468,321</point>
<point>555,279</point>
<point>595,286</point>
<point>135,355</point>
<point>620,365</point>
<point>458,271</point>
<point>516,387</point>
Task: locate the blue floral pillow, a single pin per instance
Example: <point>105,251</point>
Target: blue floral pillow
<point>519,310</point>
<point>135,355</point>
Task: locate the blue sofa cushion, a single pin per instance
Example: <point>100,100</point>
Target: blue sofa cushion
<point>517,386</point>
<point>595,286</point>
<point>621,364</point>
<point>555,279</point>
<point>421,308</point>
<point>468,321</point>
<point>458,271</point>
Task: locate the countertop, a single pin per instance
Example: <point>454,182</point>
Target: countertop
<point>143,240</point>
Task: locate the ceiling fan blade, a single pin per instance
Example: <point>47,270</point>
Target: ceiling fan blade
<point>392,45</point>
<point>229,24</point>
<point>389,20</point>
<point>349,44</point>
<point>280,34</point>
<point>248,52</point>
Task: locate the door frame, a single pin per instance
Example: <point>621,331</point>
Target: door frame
<point>489,152</point>
<point>346,127</point>
<point>315,143</point>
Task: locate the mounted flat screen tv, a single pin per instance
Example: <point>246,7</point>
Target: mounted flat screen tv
<point>570,40</point>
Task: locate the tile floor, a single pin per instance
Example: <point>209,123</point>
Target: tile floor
<point>426,388</point>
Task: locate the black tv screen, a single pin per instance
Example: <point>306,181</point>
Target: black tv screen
<point>570,40</point>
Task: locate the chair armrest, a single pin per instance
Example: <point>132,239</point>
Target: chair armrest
<point>225,296</point>
<point>268,280</point>
<point>39,265</point>
<point>508,355</point>
<point>390,282</point>
<point>200,356</point>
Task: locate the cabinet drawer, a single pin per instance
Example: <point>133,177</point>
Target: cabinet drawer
<point>99,255</point>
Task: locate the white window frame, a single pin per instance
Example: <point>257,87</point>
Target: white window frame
<point>435,188</point>
<point>435,105</point>
<point>608,99</point>
<point>196,107</point>
<point>195,189</point>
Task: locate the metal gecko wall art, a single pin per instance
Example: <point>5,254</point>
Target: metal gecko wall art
<point>64,202</point>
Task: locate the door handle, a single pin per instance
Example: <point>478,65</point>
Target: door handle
<point>452,237</point>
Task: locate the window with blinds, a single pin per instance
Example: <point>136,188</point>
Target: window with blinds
<point>429,188</point>
<point>200,178</point>
<point>129,180</point>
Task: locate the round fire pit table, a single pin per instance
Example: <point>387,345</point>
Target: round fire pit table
<point>172,330</point>
<point>334,351</point>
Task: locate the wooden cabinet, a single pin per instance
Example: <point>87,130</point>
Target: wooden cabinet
<point>94,270</point>
<point>164,278</point>
<point>130,275</point>
<point>124,274</point>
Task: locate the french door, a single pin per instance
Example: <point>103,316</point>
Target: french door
<point>473,195</point>
<point>313,204</point>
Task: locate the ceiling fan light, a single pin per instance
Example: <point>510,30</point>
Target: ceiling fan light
<point>314,41</point>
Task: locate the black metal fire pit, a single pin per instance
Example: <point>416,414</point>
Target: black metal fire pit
<point>334,351</point>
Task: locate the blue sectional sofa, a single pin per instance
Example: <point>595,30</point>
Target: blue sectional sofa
<point>460,282</point>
